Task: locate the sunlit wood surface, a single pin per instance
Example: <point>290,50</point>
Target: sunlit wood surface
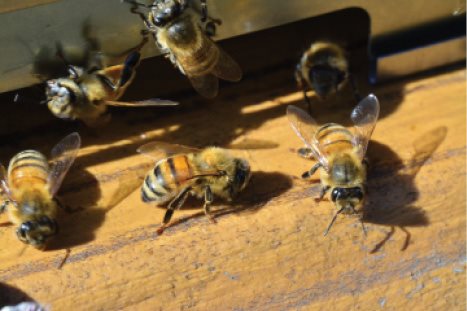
<point>267,251</point>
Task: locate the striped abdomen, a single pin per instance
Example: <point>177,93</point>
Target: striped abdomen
<point>28,168</point>
<point>166,179</point>
<point>334,139</point>
<point>195,52</point>
<point>202,60</point>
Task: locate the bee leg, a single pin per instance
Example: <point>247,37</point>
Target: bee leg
<point>302,85</point>
<point>4,206</point>
<point>306,153</point>
<point>131,62</point>
<point>208,198</point>
<point>312,170</point>
<point>134,10</point>
<point>353,85</point>
<point>175,204</point>
<point>322,193</point>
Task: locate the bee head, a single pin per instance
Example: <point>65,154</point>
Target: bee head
<point>37,232</point>
<point>61,94</point>
<point>166,11</point>
<point>241,175</point>
<point>325,80</point>
<point>347,199</point>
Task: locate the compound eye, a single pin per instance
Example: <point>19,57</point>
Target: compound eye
<point>335,194</point>
<point>357,193</point>
<point>23,229</point>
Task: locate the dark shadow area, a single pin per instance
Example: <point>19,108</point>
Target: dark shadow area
<point>391,187</point>
<point>80,194</point>
<point>263,187</point>
<point>10,295</point>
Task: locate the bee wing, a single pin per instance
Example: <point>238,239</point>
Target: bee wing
<point>305,127</point>
<point>4,182</point>
<point>206,85</point>
<point>364,117</point>
<point>142,103</point>
<point>63,155</point>
<point>159,150</point>
<point>226,68</point>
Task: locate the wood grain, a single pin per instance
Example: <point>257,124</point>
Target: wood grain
<point>267,251</point>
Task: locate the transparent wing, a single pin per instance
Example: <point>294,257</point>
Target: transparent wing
<point>142,103</point>
<point>63,155</point>
<point>305,127</point>
<point>226,68</point>
<point>158,150</point>
<point>4,188</point>
<point>364,117</point>
<point>206,85</point>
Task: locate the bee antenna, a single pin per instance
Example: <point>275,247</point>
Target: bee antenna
<point>65,258</point>
<point>333,220</point>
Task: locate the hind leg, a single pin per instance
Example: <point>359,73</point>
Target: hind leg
<point>175,204</point>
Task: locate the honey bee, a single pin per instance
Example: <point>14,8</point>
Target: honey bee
<point>340,154</point>
<point>175,29</point>
<point>181,170</point>
<point>86,93</point>
<point>30,185</point>
<point>324,69</point>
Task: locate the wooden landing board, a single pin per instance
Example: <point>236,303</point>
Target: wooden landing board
<point>267,252</point>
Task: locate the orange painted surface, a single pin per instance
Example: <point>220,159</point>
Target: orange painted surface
<point>267,251</point>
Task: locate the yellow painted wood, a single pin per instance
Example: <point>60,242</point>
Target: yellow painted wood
<point>267,252</point>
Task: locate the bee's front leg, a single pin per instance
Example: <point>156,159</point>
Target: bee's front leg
<point>305,153</point>
<point>208,198</point>
<point>322,193</point>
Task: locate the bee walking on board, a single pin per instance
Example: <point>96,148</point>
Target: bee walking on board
<point>181,171</point>
<point>30,186</point>
<point>324,69</point>
<point>340,154</point>
<point>86,92</point>
<point>175,28</point>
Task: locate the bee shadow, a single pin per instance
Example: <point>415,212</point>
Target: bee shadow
<point>391,187</point>
<point>263,187</point>
<point>10,295</point>
<point>80,194</point>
